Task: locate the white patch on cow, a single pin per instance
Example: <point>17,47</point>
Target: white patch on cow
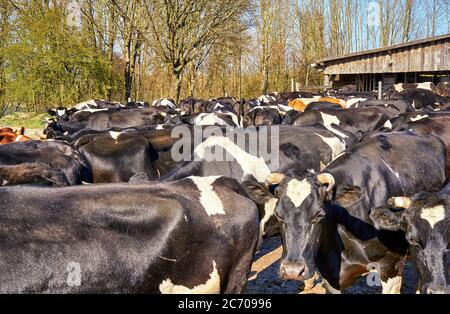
<point>267,98</point>
<point>165,103</point>
<point>336,145</point>
<point>4,182</point>
<point>209,119</point>
<point>433,214</point>
<point>298,191</point>
<point>392,286</point>
<point>60,112</point>
<point>66,133</point>
<point>251,165</point>
<point>218,106</point>
<point>18,138</point>
<point>269,209</point>
<point>349,103</point>
<point>211,286</point>
<point>388,125</point>
<point>399,87</point>
<point>419,117</point>
<point>328,120</point>
<point>426,85</point>
<point>86,105</point>
<point>160,127</point>
<point>209,199</point>
<point>114,135</point>
<point>414,104</point>
<point>284,108</point>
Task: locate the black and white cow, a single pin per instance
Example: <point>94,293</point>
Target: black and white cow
<point>398,106</point>
<point>165,102</point>
<point>118,156</point>
<point>104,120</point>
<point>326,228</point>
<point>262,115</point>
<point>359,121</point>
<point>37,162</point>
<point>425,220</point>
<point>128,238</point>
<point>293,150</point>
<point>420,98</point>
<point>436,124</point>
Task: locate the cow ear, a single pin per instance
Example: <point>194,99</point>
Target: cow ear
<point>255,190</point>
<point>51,112</point>
<point>385,219</point>
<point>347,195</point>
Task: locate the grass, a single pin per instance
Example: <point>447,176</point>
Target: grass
<point>29,120</point>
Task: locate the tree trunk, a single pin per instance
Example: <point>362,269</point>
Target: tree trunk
<point>111,40</point>
<point>127,75</point>
<point>178,82</point>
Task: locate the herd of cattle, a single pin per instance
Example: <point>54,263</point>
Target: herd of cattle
<point>360,187</point>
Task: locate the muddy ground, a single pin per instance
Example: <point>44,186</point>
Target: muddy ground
<point>265,278</point>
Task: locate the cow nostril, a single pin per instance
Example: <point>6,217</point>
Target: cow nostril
<point>292,271</point>
<point>302,270</point>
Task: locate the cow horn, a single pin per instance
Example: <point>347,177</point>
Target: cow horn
<point>400,202</point>
<point>326,178</point>
<point>275,178</point>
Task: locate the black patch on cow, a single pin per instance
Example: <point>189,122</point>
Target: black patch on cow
<point>291,151</point>
<point>384,142</point>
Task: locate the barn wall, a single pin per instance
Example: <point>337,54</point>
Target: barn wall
<point>425,57</point>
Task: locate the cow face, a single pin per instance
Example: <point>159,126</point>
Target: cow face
<point>425,220</point>
<point>301,211</point>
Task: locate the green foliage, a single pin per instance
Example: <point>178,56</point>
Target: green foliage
<point>48,63</point>
<point>29,120</point>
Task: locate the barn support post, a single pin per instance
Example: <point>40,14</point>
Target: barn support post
<point>326,81</point>
<point>380,90</point>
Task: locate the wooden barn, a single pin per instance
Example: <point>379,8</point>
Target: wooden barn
<point>426,60</point>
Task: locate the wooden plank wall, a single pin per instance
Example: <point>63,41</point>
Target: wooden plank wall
<point>426,57</point>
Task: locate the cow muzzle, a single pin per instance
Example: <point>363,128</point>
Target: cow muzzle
<point>293,270</point>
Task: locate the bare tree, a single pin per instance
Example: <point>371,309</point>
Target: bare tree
<point>182,31</point>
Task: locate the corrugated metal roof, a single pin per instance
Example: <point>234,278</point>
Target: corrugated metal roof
<point>394,47</point>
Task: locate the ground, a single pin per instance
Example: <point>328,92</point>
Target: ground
<point>265,278</point>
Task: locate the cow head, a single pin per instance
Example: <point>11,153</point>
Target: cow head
<point>425,220</point>
<point>53,129</point>
<point>301,211</point>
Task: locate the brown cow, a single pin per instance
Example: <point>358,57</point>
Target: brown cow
<point>8,136</point>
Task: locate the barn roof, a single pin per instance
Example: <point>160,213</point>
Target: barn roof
<point>322,62</point>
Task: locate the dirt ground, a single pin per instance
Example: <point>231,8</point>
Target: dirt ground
<point>264,277</point>
<point>35,134</point>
